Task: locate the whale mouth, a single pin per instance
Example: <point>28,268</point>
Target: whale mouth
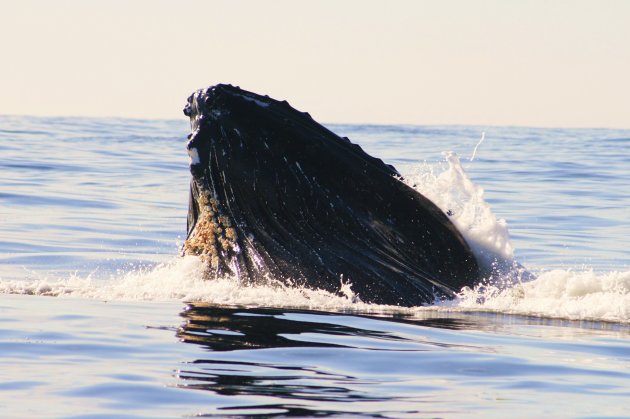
<point>276,196</point>
<point>221,117</point>
<point>209,111</point>
<point>214,102</point>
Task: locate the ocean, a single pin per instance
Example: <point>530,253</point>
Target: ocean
<point>100,316</point>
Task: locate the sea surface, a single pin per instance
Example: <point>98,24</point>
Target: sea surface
<point>100,317</point>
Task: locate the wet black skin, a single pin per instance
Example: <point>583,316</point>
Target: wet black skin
<point>309,208</point>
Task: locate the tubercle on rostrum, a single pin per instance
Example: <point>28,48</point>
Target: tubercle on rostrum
<point>213,236</point>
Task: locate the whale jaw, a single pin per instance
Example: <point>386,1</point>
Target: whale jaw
<point>276,196</point>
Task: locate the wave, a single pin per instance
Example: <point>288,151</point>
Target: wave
<point>463,201</point>
<point>565,294</point>
<point>568,294</point>
<point>183,279</point>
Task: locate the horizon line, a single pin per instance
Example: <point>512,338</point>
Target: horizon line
<point>379,124</point>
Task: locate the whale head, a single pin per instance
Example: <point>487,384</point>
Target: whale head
<point>276,196</point>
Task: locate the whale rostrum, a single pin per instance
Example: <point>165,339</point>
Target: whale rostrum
<point>275,196</point>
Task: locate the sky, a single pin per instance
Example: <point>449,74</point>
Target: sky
<point>494,62</point>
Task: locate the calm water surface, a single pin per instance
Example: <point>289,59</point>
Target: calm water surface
<point>92,212</point>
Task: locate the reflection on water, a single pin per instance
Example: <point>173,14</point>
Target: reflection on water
<point>233,329</point>
<point>283,363</point>
<point>226,328</point>
<point>278,375</point>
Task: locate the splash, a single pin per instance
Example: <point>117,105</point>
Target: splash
<point>566,294</point>
<point>183,279</point>
<point>483,137</point>
<point>455,194</point>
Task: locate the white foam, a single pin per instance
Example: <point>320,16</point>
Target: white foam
<point>455,194</point>
<point>183,279</point>
<point>566,294</point>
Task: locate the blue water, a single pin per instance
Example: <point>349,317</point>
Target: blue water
<point>100,317</point>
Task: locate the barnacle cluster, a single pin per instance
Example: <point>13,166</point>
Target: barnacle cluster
<point>214,237</point>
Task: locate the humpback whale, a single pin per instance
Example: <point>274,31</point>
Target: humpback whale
<point>275,196</point>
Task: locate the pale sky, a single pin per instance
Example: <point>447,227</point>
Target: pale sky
<point>495,62</point>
